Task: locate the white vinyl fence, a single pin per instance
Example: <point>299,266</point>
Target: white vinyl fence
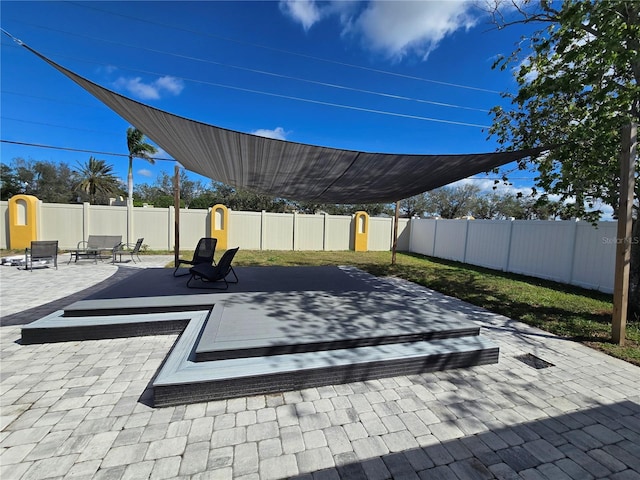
<point>571,252</point>
<point>70,224</point>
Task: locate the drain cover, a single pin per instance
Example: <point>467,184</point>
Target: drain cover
<point>534,361</point>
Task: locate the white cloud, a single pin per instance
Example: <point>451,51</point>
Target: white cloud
<point>169,84</point>
<point>150,91</point>
<point>393,28</point>
<point>145,172</point>
<point>399,28</point>
<point>278,133</point>
<point>306,12</point>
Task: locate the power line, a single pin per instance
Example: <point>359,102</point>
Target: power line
<point>288,52</point>
<point>307,100</point>
<point>70,149</point>
<point>247,69</point>
<point>47,124</point>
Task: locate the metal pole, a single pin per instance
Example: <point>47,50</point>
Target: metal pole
<point>176,206</point>
<point>395,234</point>
<point>624,232</point>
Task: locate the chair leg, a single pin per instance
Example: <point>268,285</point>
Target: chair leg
<point>234,274</point>
<point>204,281</point>
<point>177,268</point>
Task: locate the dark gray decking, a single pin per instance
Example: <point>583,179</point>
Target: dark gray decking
<point>275,331</point>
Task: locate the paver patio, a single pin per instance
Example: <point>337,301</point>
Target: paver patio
<point>81,410</point>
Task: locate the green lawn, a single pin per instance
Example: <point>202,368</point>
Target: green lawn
<point>572,312</point>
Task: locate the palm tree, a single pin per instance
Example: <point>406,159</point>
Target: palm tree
<point>138,148</point>
<point>96,178</point>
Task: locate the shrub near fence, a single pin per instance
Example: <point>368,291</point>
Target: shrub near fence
<point>570,252</point>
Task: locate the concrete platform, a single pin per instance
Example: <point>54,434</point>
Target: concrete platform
<point>277,331</point>
<point>259,324</point>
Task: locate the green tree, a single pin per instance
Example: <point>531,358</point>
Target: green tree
<point>50,182</point>
<point>10,184</point>
<point>138,148</point>
<point>452,202</point>
<point>96,179</point>
<point>189,189</point>
<point>415,206</point>
<point>579,84</point>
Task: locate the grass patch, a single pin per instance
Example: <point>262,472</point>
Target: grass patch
<point>571,312</point>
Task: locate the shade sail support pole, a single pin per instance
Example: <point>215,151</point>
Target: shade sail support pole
<point>395,233</point>
<point>623,238</point>
<point>176,207</point>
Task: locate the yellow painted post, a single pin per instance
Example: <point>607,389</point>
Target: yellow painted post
<point>362,232</point>
<point>220,225</point>
<point>23,221</point>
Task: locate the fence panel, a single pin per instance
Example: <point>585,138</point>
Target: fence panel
<point>277,232</point>
<point>309,232</point>
<point>595,256</point>
<point>423,236</point>
<point>107,220</point>
<point>404,234</point>
<point>63,223</point>
<point>154,225</point>
<point>380,234</point>
<point>339,233</point>
<point>542,249</point>
<point>488,243</point>
<point>245,230</point>
<point>194,224</point>
<point>4,224</point>
<point>451,239</point>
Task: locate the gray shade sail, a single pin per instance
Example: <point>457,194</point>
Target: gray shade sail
<point>292,170</point>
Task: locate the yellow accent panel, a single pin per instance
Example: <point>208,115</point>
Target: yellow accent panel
<point>23,221</point>
<point>362,232</point>
<point>220,225</point>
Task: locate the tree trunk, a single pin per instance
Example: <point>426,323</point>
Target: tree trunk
<point>633,313</point>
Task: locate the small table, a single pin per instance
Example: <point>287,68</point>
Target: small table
<point>83,254</point>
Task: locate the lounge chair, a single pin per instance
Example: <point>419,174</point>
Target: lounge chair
<point>211,274</point>
<point>41,250</point>
<point>204,252</point>
<point>128,249</point>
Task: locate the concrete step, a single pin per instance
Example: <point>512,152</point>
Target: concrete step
<point>182,379</point>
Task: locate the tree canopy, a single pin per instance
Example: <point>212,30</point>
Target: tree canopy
<point>138,148</point>
<point>578,84</point>
<point>96,179</point>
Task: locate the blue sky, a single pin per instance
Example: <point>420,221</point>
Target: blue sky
<point>396,77</point>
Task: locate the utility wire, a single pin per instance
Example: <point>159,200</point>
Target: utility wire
<point>288,52</point>
<point>251,70</point>
<point>307,100</point>
<point>69,149</point>
<point>47,124</point>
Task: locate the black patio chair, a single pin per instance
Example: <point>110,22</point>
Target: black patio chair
<point>128,249</point>
<point>204,252</point>
<point>211,274</point>
<point>41,250</point>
